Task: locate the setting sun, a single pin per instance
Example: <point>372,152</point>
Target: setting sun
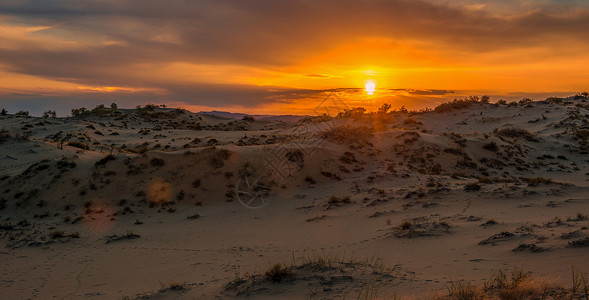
<point>370,87</point>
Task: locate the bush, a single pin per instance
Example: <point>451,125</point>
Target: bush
<point>472,187</point>
<point>405,225</point>
<point>157,162</point>
<point>22,113</point>
<point>277,273</point>
<point>217,160</point>
<point>354,113</point>
<point>104,160</point>
<point>460,103</point>
<point>492,146</point>
<point>80,112</point>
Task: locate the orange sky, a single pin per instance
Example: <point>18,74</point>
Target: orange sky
<point>284,57</point>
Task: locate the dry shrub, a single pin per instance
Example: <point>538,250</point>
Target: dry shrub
<point>348,135</point>
<point>277,273</point>
<point>460,103</point>
<point>218,158</point>
<point>515,133</point>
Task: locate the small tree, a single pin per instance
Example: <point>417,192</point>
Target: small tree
<point>485,99</point>
<point>49,114</point>
<point>114,106</point>
<point>384,109</point>
<point>80,112</point>
<point>100,110</point>
<point>4,112</point>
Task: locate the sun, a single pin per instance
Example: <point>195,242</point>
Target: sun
<point>370,86</point>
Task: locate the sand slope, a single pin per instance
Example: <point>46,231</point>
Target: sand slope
<point>167,204</point>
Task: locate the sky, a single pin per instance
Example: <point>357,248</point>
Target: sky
<point>285,57</point>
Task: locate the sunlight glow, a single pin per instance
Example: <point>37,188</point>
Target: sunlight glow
<point>370,86</point>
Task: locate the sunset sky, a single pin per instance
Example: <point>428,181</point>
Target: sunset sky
<point>283,57</point>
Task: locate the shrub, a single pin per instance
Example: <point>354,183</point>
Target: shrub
<point>80,112</point>
<point>217,160</point>
<point>104,160</point>
<point>277,273</point>
<point>157,162</point>
<point>491,146</point>
<point>460,103</point>
<point>354,113</point>
<point>296,156</point>
<point>22,113</point>
<point>406,225</point>
<point>310,180</point>
<point>472,187</point>
<point>196,183</point>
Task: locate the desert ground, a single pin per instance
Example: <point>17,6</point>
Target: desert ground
<point>162,203</point>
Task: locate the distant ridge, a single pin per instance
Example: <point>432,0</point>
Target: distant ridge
<point>230,115</point>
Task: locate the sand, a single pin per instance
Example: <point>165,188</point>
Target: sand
<point>192,206</point>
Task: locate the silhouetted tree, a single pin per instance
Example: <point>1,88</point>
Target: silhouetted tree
<point>49,114</point>
<point>384,108</point>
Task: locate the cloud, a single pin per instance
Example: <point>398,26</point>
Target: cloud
<point>424,92</point>
<point>110,43</point>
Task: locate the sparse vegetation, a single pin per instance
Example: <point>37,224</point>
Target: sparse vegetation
<point>218,158</point>
<point>79,145</point>
<point>157,162</point>
<point>460,103</point>
<point>277,273</point>
<point>472,187</point>
<point>103,161</point>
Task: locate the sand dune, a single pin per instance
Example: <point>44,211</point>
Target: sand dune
<point>161,203</point>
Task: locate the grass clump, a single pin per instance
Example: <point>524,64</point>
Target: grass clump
<point>57,234</point>
<point>277,273</point>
